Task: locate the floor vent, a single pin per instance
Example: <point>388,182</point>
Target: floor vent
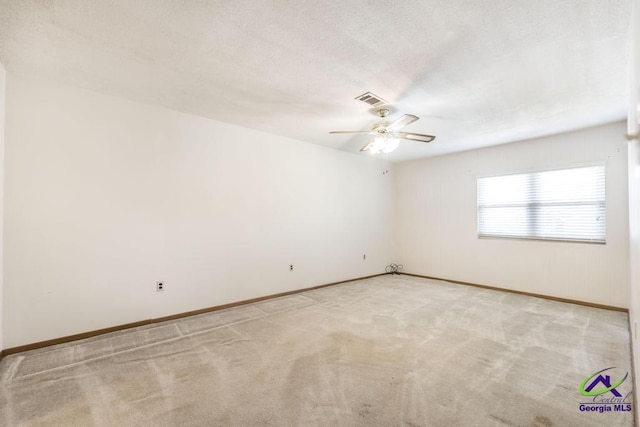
<point>371,99</point>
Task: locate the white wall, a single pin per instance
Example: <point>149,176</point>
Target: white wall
<point>2,103</point>
<point>633,121</point>
<point>104,197</point>
<point>436,220</point>
<point>634,217</point>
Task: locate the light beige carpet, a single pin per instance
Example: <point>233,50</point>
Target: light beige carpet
<point>387,351</point>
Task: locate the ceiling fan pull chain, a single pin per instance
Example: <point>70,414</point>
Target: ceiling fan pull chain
<point>385,163</point>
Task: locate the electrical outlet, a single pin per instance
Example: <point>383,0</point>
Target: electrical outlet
<point>159,286</point>
<point>290,267</point>
<point>364,257</point>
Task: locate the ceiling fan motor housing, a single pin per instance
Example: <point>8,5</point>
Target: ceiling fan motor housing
<point>381,127</point>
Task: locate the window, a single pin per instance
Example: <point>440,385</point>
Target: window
<point>566,204</point>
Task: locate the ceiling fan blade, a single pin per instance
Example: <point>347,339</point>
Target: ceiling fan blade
<point>403,121</point>
<point>366,147</point>
<point>357,132</point>
<point>415,136</point>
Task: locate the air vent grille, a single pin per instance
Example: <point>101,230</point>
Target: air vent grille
<point>371,99</point>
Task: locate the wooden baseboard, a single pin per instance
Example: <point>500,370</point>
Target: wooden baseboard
<point>89,334</point>
<point>529,294</point>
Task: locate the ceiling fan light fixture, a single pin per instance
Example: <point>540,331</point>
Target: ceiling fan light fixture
<point>391,144</point>
<point>377,145</point>
<point>384,144</point>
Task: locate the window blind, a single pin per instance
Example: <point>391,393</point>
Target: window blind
<point>566,204</point>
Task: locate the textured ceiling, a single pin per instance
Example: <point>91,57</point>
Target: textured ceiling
<point>478,73</point>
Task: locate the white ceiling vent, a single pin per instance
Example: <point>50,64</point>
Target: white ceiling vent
<point>371,99</point>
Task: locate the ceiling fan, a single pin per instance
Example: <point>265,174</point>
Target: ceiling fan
<point>387,135</point>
